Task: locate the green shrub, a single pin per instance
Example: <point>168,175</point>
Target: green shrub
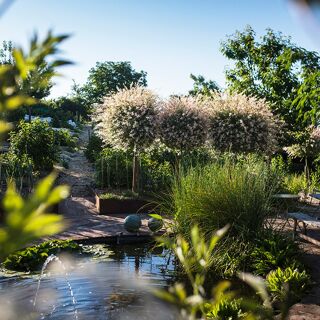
<point>93,149</point>
<point>35,139</point>
<point>274,250</point>
<point>200,156</point>
<point>65,138</point>
<point>288,281</point>
<point>155,176</point>
<point>295,183</point>
<point>32,258</point>
<point>235,193</point>
<point>114,168</point>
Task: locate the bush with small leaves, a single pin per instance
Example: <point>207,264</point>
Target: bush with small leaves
<point>238,123</point>
<point>36,139</point>
<point>182,124</point>
<point>128,118</point>
<point>64,138</point>
<point>93,148</point>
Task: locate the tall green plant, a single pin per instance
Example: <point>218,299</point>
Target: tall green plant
<point>37,140</point>
<point>127,120</point>
<point>235,193</point>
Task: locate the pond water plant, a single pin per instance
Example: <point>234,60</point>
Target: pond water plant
<point>32,258</point>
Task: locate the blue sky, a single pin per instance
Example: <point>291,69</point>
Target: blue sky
<point>167,38</point>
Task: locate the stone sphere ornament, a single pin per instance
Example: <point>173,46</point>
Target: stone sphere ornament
<point>132,223</point>
<point>155,224</point>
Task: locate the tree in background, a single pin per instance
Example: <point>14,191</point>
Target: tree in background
<point>6,53</point>
<point>105,79</point>
<point>128,120</point>
<point>307,100</point>
<point>202,86</point>
<point>38,82</point>
<point>72,106</point>
<point>273,69</point>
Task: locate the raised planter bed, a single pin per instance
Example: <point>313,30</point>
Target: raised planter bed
<point>118,206</point>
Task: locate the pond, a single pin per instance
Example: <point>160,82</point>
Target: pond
<point>116,284</point>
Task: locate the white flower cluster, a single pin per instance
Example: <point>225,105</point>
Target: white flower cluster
<point>182,125</point>
<point>239,123</point>
<point>128,119</point>
<point>134,118</point>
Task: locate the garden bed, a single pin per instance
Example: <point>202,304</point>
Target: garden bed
<point>117,203</point>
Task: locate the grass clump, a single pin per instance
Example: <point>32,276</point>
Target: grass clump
<point>227,192</point>
<point>32,258</point>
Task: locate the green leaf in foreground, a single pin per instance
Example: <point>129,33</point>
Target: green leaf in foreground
<point>27,220</point>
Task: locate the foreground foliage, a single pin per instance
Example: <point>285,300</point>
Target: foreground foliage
<point>260,299</point>
<point>273,250</point>
<point>196,259</point>
<point>26,220</point>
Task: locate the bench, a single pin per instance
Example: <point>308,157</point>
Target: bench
<point>306,220</point>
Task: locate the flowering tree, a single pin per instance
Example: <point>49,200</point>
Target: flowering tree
<point>127,120</point>
<point>308,146</point>
<point>239,123</point>
<point>182,124</point>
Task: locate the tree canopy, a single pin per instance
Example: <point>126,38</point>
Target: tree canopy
<point>273,68</point>
<point>6,52</point>
<point>106,78</point>
<point>202,86</point>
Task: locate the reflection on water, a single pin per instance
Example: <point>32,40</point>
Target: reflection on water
<point>114,288</point>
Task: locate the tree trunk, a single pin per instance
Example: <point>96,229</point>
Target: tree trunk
<point>135,172</point>
<point>29,113</point>
<point>307,174</point>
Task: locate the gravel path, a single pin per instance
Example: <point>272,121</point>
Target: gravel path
<point>80,172</point>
